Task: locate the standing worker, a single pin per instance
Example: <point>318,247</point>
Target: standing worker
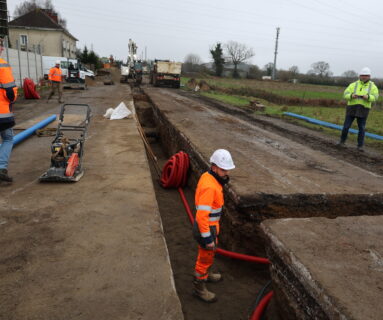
<point>359,95</point>
<point>55,78</point>
<point>209,202</point>
<point>7,121</point>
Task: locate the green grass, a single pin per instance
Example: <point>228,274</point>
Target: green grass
<point>233,100</point>
<point>332,115</point>
<point>309,94</point>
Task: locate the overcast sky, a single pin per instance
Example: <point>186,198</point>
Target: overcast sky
<point>347,34</point>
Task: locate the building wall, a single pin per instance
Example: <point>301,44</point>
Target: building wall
<point>53,42</point>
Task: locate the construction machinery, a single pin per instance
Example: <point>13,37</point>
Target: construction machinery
<point>75,78</point>
<point>165,72</point>
<point>133,68</point>
<point>68,148</point>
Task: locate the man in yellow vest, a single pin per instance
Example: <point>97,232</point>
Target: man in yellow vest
<point>55,78</point>
<point>8,96</point>
<point>359,95</point>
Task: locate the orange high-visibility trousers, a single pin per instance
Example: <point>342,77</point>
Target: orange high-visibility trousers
<point>205,260</point>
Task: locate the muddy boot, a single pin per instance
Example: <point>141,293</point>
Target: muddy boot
<point>214,277</point>
<point>4,175</point>
<point>201,292</point>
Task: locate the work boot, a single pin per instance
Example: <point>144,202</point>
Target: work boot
<point>340,144</point>
<point>360,149</point>
<point>201,292</point>
<point>4,175</point>
<point>214,277</point>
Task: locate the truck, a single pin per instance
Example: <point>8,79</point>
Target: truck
<point>166,72</point>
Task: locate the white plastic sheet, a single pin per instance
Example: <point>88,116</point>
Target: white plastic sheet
<point>120,112</point>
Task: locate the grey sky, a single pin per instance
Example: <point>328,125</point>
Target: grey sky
<point>345,33</point>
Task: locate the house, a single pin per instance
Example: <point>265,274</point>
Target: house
<point>40,27</point>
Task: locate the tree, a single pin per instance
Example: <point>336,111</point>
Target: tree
<point>294,70</point>
<point>84,56</point>
<point>321,69</point>
<point>350,74</point>
<point>30,5</point>
<point>254,72</point>
<point>238,53</point>
<point>191,63</point>
<point>268,68</point>
<point>219,61</point>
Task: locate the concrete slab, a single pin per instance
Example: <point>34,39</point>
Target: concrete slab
<point>271,170</point>
<point>94,249</point>
<point>327,268</point>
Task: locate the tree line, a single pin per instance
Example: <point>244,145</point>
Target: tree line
<point>233,54</point>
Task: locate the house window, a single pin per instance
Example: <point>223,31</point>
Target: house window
<point>23,40</point>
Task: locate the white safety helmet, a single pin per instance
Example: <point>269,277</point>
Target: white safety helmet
<point>365,72</point>
<point>222,159</point>
<point>57,62</point>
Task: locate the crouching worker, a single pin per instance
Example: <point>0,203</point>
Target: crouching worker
<point>209,202</point>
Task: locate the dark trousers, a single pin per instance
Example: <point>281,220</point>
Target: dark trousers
<point>361,126</point>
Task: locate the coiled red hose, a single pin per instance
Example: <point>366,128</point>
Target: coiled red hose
<point>257,314</point>
<point>174,174</point>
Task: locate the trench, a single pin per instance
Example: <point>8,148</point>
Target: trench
<point>242,280</point>
<point>240,223</point>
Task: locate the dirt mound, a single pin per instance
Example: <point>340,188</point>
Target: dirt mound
<point>202,85</point>
<point>192,83</point>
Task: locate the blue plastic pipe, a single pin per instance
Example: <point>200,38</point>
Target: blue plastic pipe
<point>330,125</point>
<point>26,133</point>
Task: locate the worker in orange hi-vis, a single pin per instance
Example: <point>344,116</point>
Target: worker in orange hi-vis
<point>209,201</point>
<point>8,97</point>
<point>55,78</point>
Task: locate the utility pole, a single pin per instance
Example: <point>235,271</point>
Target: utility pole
<point>146,57</point>
<point>275,54</point>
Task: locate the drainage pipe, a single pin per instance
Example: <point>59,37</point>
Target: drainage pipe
<point>330,125</point>
<point>258,312</point>
<point>26,133</point>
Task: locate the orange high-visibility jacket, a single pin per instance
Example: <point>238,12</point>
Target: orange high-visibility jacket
<point>55,74</point>
<point>8,91</point>
<point>209,202</point>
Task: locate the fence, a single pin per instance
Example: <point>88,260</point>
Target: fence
<point>25,64</point>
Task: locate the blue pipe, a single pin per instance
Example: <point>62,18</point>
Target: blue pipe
<point>26,133</point>
<point>330,125</point>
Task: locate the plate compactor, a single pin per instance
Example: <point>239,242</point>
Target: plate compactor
<point>67,152</point>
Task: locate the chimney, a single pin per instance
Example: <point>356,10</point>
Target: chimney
<point>52,14</point>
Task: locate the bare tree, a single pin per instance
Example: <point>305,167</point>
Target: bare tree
<point>30,5</point>
<point>238,53</point>
<point>192,58</point>
<point>321,69</point>
<point>350,74</point>
<point>191,63</point>
<point>294,70</point>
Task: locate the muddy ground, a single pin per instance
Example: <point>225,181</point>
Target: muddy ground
<point>84,250</point>
<point>34,237</point>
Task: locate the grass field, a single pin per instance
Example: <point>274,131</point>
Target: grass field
<point>333,115</point>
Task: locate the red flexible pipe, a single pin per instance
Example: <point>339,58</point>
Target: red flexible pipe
<point>174,174</point>
<point>257,314</point>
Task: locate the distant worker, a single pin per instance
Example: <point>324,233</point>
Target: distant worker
<point>359,95</point>
<point>209,202</point>
<point>7,120</point>
<point>55,78</point>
